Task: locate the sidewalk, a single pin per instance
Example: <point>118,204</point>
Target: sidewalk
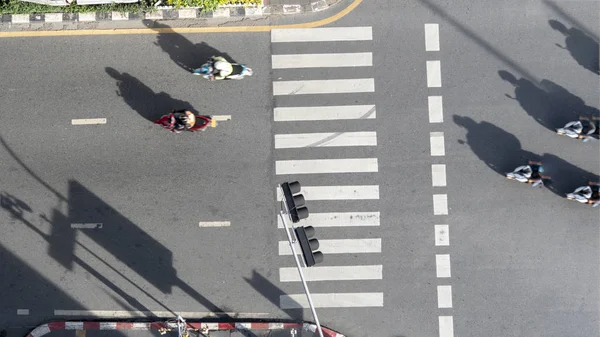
<point>195,328</point>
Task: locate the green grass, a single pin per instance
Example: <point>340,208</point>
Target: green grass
<point>22,7</point>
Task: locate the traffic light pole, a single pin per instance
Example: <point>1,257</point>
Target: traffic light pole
<point>291,242</point>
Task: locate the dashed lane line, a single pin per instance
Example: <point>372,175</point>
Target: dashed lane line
<point>434,74</point>
<point>442,238</point>
<point>432,37</point>
<point>440,204</point>
<point>436,109</point>
<point>442,265</point>
<point>88,121</point>
<point>446,326</point>
<point>444,296</point>
<point>214,224</point>
<point>437,144</point>
<point>438,175</point>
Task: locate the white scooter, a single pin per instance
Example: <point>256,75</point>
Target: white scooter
<point>530,173</point>
<point>586,194</point>
<point>207,70</point>
<point>583,129</point>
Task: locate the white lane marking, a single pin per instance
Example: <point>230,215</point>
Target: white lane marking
<point>437,143</point>
<point>23,312</point>
<point>108,325</point>
<point>322,113</point>
<point>442,265</point>
<point>442,235</point>
<point>326,166</point>
<point>87,121</point>
<point>446,326</point>
<point>434,74</point>
<point>432,37</point>
<point>332,273</point>
<point>348,192</point>
<point>332,300</point>
<point>436,109</point>
<point>75,326</point>
<point>342,246</point>
<point>350,219</point>
<point>329,139</point>
<point>440,204</point>
<point>214,224</point>
<point>322,34</point>
<point>322,60</point>
<point>438,175</point>
<point>221,117</point>
<point>444,296</point>
<point>130,314</point>
<point>323,86</point>
<point>86,225</point>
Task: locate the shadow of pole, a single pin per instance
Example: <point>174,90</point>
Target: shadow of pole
<point>478,39</point>
<point>274,294</point>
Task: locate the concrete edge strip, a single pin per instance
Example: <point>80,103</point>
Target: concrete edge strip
<point>170,13</point>
<point>89,325</point>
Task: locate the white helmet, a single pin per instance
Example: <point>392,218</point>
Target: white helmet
<point>221,65</point>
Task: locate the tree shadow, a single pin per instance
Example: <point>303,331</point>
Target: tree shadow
<point>549,104</point>
<point>144,100</point>
<point>582,47</point>
<point>498,149</point>
<point>182,51</point>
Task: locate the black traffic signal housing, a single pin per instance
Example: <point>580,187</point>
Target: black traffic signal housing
<point>309,245</point>
<point>294,201</point>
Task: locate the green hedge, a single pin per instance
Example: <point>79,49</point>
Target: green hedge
<point>22,7</point>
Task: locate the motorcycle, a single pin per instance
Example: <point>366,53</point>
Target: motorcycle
<point>583,129</point>
<point>530,173</point>
<point>183,120</point>
<point>589,194</point>
<point>207,71</point>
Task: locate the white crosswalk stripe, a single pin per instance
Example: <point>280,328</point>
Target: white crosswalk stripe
<point>332,300</point>
<point>354,192</point>
<point>311,166</point>
<point>353,85</point>
<point>287,141</point>
<point>333,273</point>
<point>306,135</point>
<point>348,219</point>
<point>334,60</point>
<point>343,246</point>
<point>322,113</point>
<point>322,34</point>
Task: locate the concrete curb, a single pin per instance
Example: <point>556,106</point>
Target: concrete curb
<point>168,13</point>
<point>94,325</point>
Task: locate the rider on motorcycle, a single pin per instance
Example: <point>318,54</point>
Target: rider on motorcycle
<point>221,68</point>
<point>532,172</point>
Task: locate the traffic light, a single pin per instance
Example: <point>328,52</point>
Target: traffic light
<point>309,246</point>
<point>295,203</point>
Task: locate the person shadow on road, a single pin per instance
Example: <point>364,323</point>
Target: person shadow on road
<point>548,103</point>
<point>583,48</point>
<point>144,100</point>
<point>498,149</point>
<point>184,53</point>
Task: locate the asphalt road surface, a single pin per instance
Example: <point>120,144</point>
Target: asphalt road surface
<point>400,133</point>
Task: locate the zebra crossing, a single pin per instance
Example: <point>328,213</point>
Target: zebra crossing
<point>316,135</point>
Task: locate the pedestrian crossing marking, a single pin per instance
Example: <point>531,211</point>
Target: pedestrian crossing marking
<point>346,192</point>
<point>332,300</point>
<point>309,87</point>
<point>332,60</point>
<point>322,34</point>
<point>329,139</point>
<point>321,113</point>
<point>348,219</point>
<point>312,166</point>
<point>332,273</point>
<point>341,246</point>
